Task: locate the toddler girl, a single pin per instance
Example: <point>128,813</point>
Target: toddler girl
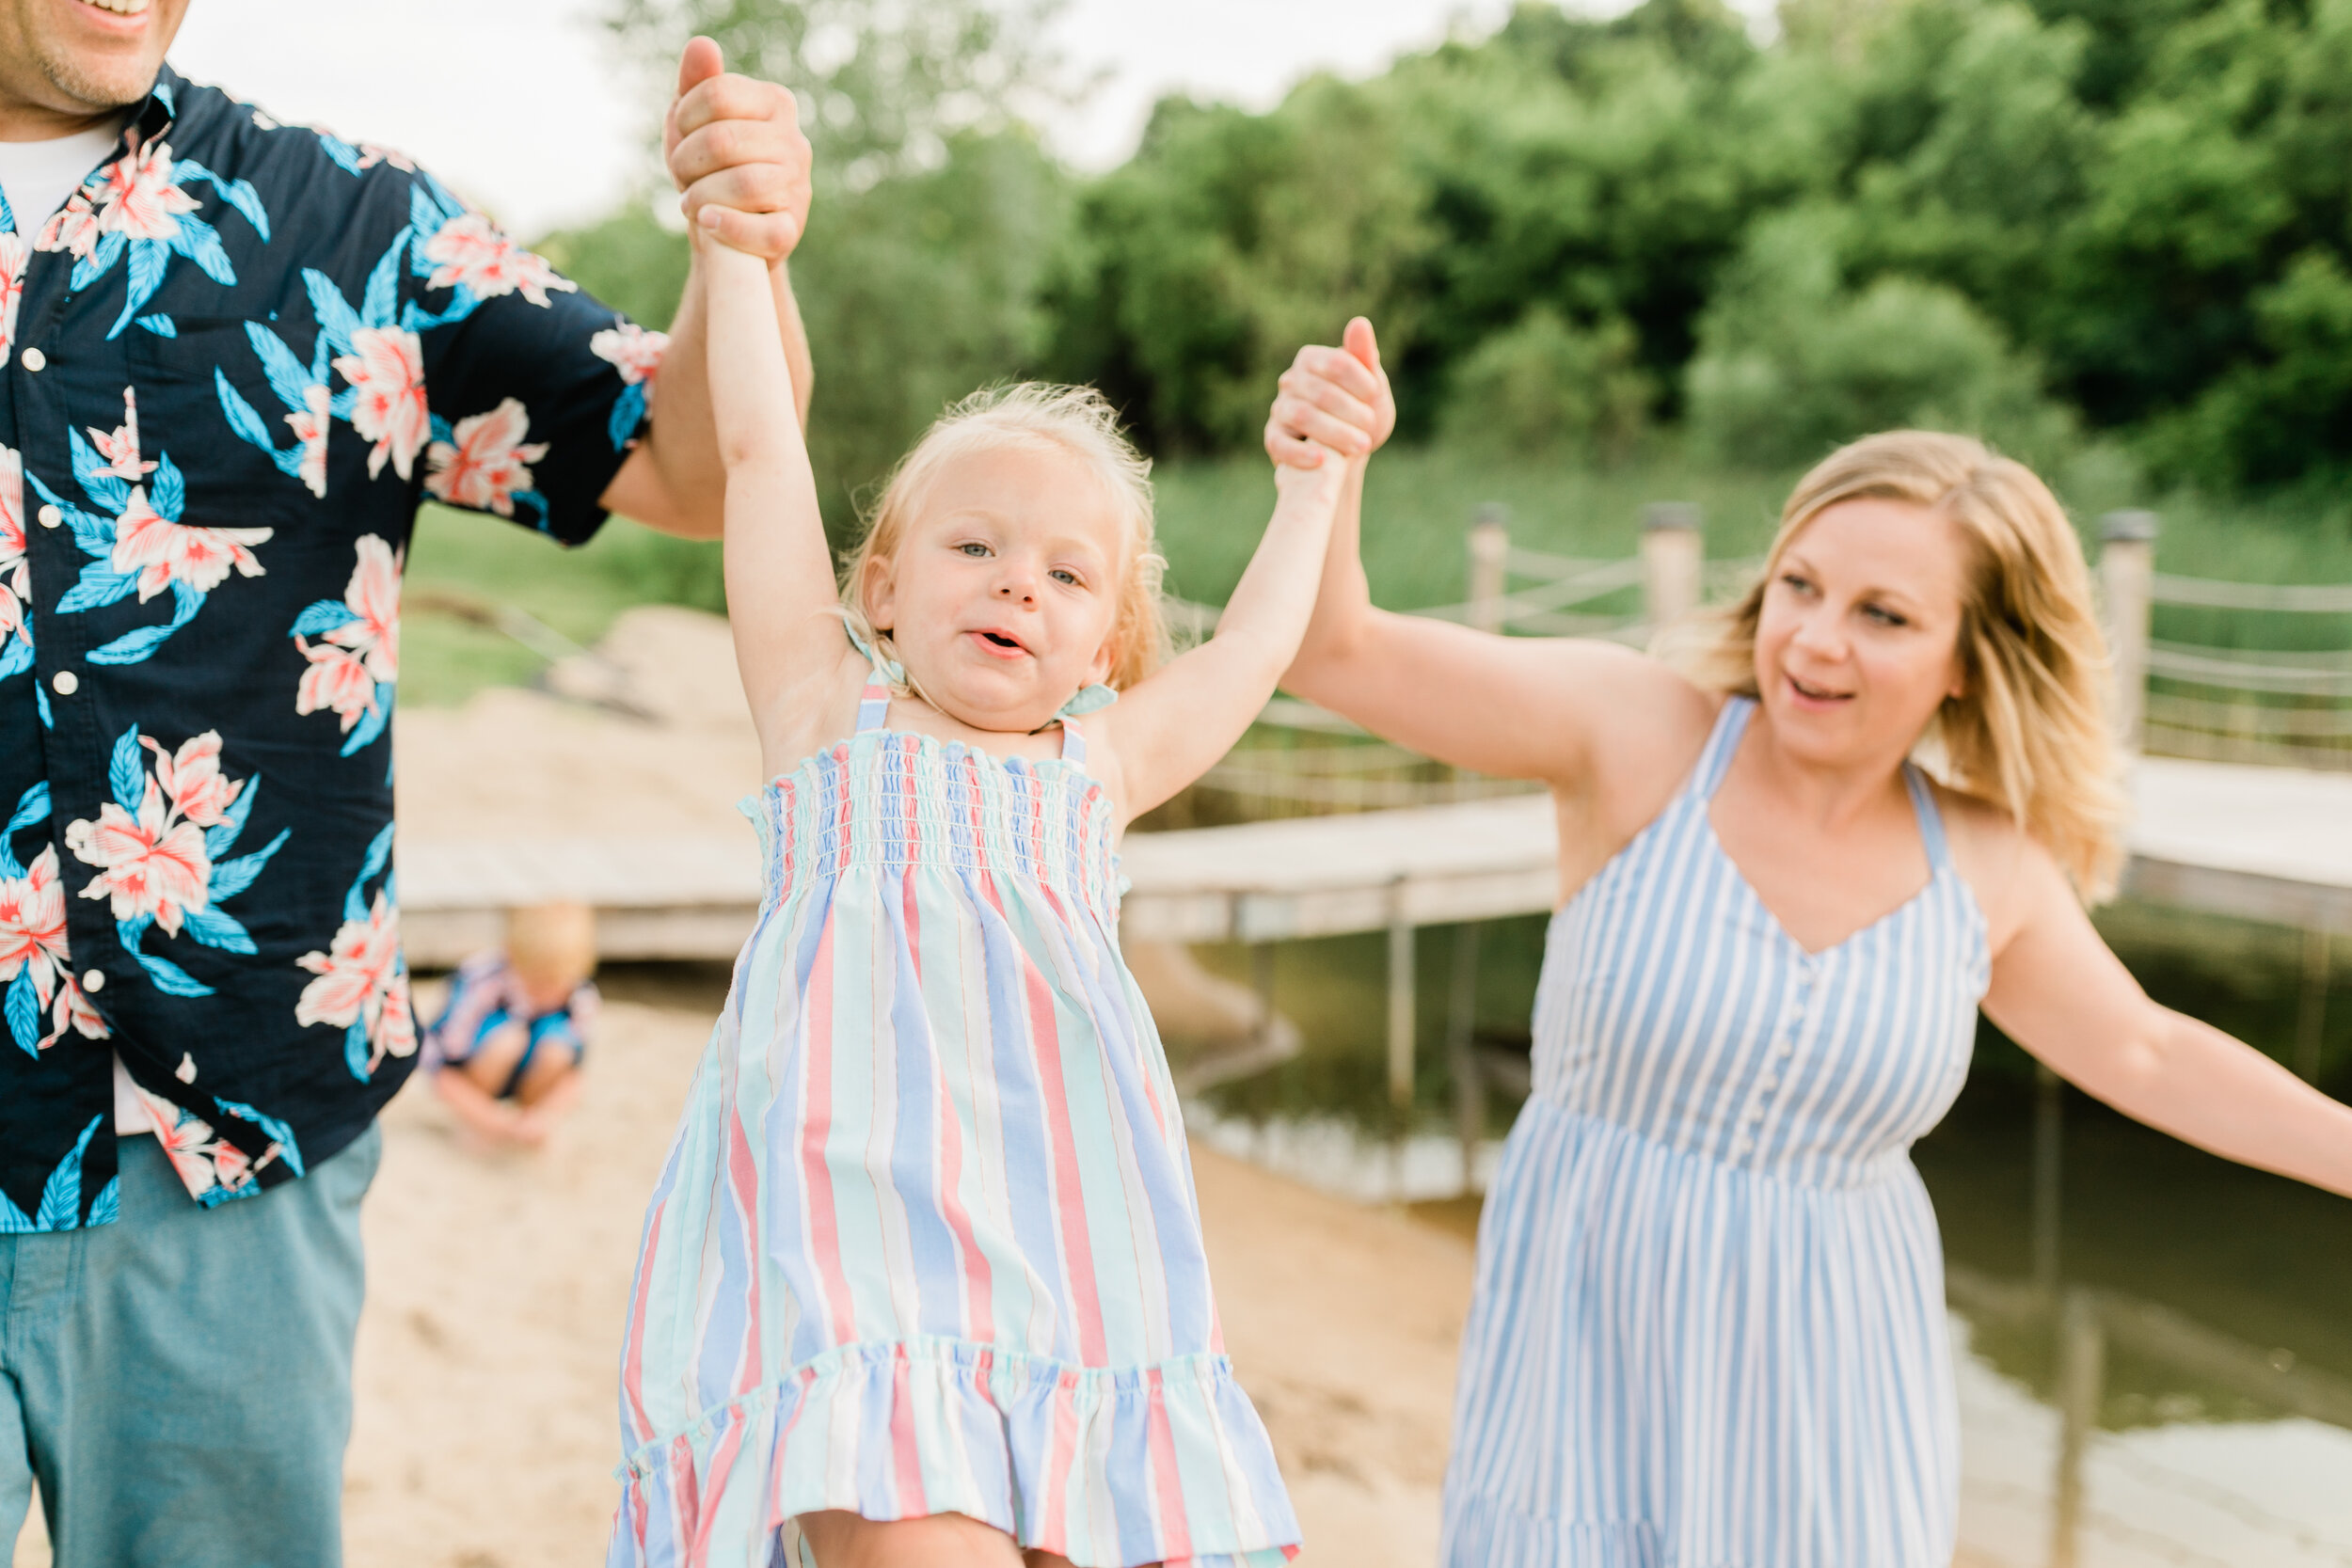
<point>926,1249</point>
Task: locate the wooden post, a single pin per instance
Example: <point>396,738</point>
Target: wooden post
<point>1461,1052</point>
<point>2311,1018</point>
<point>2081,1380</point>
<point>1262,980</point>
<point>1489,557</point>
<point>1489,574</point>
<point>1670,557</point>
<point>2127,570</point>
<point>1400,1000</point>
<point>2048,1127</point>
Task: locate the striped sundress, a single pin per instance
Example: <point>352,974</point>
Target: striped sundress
<point>1710,1327</point>
<point>926,1240</point>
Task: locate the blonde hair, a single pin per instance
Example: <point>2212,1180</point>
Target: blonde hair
<point>2030,732</point>
<point>1075,421</point>
<point>554,942</point>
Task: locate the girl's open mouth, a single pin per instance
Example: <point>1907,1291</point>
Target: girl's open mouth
<point>1001,644</point>
<point>1816,694</point>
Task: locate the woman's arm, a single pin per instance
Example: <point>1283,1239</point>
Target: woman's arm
<point>779,574</point>
<point>1172,728</point>
<point>1513,708</point>
<point>2061,994</point>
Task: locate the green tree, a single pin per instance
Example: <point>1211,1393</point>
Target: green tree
<point>1546,388</point>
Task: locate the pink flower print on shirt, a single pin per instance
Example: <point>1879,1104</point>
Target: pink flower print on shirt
<point>470,251</point>
<point>210,1166</point>
<point>163,552</point>
<point>72,227</point>
<point>120,447</point>
<point>362,982</point>
<point>372,153</point>
<point>32,938</point>
<point>633,351</point>
<point>192,780</point>
<point>309,427</point>
<point>136,197</point>
<point>16,569</point>
<point>485,463</point>
<point>150,865</point>
<point>13,259</point>
<point>355,657</point>
<point>387,370</point>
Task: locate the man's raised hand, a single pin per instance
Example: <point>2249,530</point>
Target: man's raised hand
<point>1333,398</point>
<point>734,146</point>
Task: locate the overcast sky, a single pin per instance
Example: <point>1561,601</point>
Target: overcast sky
<point>534,116</point>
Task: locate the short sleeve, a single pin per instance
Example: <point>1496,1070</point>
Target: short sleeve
<point>535,390</point>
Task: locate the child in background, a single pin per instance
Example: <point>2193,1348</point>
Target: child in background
<point>923,1279</point>
<point>506,1052</point>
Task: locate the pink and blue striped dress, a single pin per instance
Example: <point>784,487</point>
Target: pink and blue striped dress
<point>926,1240</point>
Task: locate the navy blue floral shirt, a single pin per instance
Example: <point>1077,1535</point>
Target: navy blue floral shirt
<point>230,367</point>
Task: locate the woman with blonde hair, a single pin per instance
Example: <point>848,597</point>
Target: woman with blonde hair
<point>1710,1323</point>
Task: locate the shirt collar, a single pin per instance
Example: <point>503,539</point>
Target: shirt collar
<point>161,106</point>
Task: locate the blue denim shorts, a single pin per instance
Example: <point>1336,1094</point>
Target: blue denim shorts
<point>179,1382</point>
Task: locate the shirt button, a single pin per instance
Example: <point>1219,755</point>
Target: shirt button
<point>1767,1083</point>
<point>1741,1146</point>
<point>1785,1050</point>
<point>93,979</point>
<point>51,517</point>
<point>1753,1113</point>
<point>65,683</point>
<point>34,360</point>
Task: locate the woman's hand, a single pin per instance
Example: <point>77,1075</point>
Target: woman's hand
<point>1336,399</point>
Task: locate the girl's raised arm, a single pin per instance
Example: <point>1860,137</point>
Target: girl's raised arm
<point>1172,728</point>
<point>1511,706</point>
<point>779,574</point>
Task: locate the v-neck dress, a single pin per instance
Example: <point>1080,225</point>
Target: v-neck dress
<point>927,1240</point>
<point>1709,1328</point>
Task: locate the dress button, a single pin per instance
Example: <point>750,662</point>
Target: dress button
<point>1753,1113</point>
<point>1785,1050</point>
<point>50,516</point>
<point>1741,1146</point>
<point>1767,1083</point>
<point>65,683</point>
<point>34,360</point>
<point>93,979</point>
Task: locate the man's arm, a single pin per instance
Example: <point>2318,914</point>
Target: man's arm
<point>734,144</point>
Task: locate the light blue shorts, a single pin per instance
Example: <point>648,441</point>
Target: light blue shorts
<point>180,1381</point>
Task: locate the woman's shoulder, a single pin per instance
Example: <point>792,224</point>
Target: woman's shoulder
<point>1995,855</point>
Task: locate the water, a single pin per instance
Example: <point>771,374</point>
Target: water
<point>2141,1408</point>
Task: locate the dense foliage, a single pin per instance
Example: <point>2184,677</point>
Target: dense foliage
<point>2122,222</point>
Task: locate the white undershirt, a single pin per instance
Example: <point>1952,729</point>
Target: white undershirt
<point>38,176</point>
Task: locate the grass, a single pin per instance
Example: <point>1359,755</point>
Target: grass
<point>579,593</point>
<point>1417,506</point>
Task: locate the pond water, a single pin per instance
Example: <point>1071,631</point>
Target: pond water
<point>2179,1393</point>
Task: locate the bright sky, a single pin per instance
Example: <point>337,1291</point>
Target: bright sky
<point>534,117</point>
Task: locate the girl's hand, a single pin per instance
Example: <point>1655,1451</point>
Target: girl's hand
<point>1310,474</point>
<point>1337,399</point>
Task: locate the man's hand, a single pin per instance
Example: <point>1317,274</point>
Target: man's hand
<point>734,145</point>
<point>1333,398</point>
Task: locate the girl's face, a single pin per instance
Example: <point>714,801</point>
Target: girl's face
<point>1858,641</point>
<point>1002,593</point>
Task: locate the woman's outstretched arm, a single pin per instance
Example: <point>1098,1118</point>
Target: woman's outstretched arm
<point>2062,996</point>
<point>779,574</point>
<point>1512,707</point>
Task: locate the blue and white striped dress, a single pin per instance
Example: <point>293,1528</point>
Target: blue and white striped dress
<point>1710,1327</point>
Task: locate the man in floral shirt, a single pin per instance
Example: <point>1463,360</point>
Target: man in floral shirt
<point>234,355</point>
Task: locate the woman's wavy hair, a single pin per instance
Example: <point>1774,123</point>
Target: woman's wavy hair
<point>1076,421</point>
<point>2030,732</point>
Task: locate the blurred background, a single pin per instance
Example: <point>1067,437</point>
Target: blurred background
<point>1618,257</point>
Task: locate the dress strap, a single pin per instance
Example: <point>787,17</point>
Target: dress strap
<point>873,704</point>
<point>1723,742</point>
<point>1073,741</point>
<point>1931,815</point>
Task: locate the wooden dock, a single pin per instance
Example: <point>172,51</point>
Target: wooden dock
<point>2261,843</point>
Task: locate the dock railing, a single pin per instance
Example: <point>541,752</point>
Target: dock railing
<point>2205,701</point>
